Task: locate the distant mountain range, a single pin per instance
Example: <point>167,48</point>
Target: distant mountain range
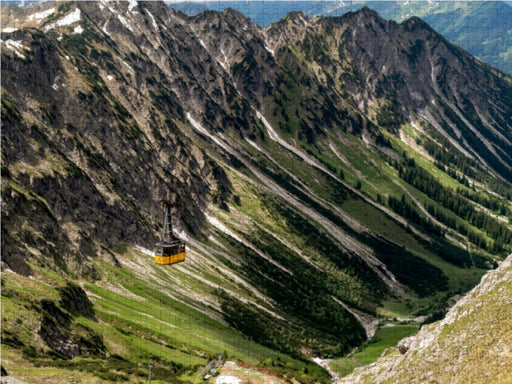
<point>483,28</point>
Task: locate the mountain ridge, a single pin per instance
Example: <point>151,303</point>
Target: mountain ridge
<point>480,27</point>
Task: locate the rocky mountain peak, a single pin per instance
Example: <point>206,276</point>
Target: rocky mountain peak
<point>365,13</point>
<point>297,18</point>
<point>416,23</point>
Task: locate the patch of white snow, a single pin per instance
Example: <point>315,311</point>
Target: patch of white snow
<point>225,58</point>
<point>133,4</point>
<point>128,65</point>
<point>104,29</point>
<point>9,30</point>
<point>41,15</point>
<point>69,19</point>
<point>125,22</point>
<point>16,46</point>
<point>78,29</point>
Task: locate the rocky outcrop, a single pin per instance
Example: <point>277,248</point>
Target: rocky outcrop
<point>472,344</point>
<point>61,333</point>
<point>74,299</point>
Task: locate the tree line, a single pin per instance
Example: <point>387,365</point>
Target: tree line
<point>462,204</point>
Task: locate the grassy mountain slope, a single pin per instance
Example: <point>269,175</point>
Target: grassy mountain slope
<point>469,345</point>
<point>317,190</point>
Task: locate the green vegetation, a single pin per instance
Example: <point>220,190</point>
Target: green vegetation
<point>134,321</point>
<point>315,320</point>
<point>460,206</point>
<point>386,336</point>
<point>301,371</point>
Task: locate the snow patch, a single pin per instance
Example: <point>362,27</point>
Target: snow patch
<point>124,22</point>
<point>104,29</point>
<point>9,30</point>
<point>41,15</point>
<point>128,65</point>
<point>69,19</point>
<point>133,4</point>
<point>109,77</point>
<point>16,46</point>
<point>225,59</point>
<point>78,29</point>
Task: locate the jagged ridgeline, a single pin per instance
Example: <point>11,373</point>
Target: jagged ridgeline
<point>329,170</point>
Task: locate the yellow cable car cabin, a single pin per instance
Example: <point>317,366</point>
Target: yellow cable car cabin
<point>170,253</point>
<point>170,250</point>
